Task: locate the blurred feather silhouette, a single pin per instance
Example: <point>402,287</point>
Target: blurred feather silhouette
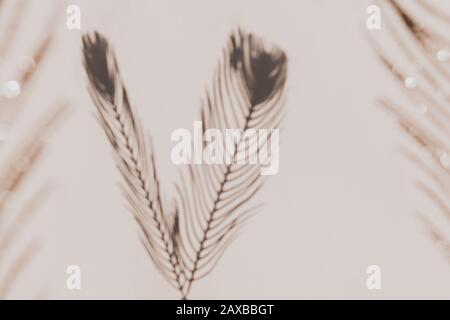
<point>133,153</point>
<point>187,240</point>
<point>423,73</point>
<point>246,93</point>
<point>15,169</point>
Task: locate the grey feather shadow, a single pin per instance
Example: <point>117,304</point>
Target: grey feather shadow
<point>186,241</point>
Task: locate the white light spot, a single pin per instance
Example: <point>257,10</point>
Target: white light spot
<point>411,83</point>
<point>11,89</point>
<point>443,55</point>
<point>444,159</point>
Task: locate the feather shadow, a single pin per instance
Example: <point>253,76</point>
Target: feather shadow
<point>186,241</point>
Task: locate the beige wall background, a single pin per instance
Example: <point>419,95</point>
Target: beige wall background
<point>344,197</point>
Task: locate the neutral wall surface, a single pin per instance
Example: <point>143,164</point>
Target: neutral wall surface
<point>344,198</point>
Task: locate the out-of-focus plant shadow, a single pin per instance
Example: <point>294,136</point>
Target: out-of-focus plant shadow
<point>421,66</point>
<point>17,166</point>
